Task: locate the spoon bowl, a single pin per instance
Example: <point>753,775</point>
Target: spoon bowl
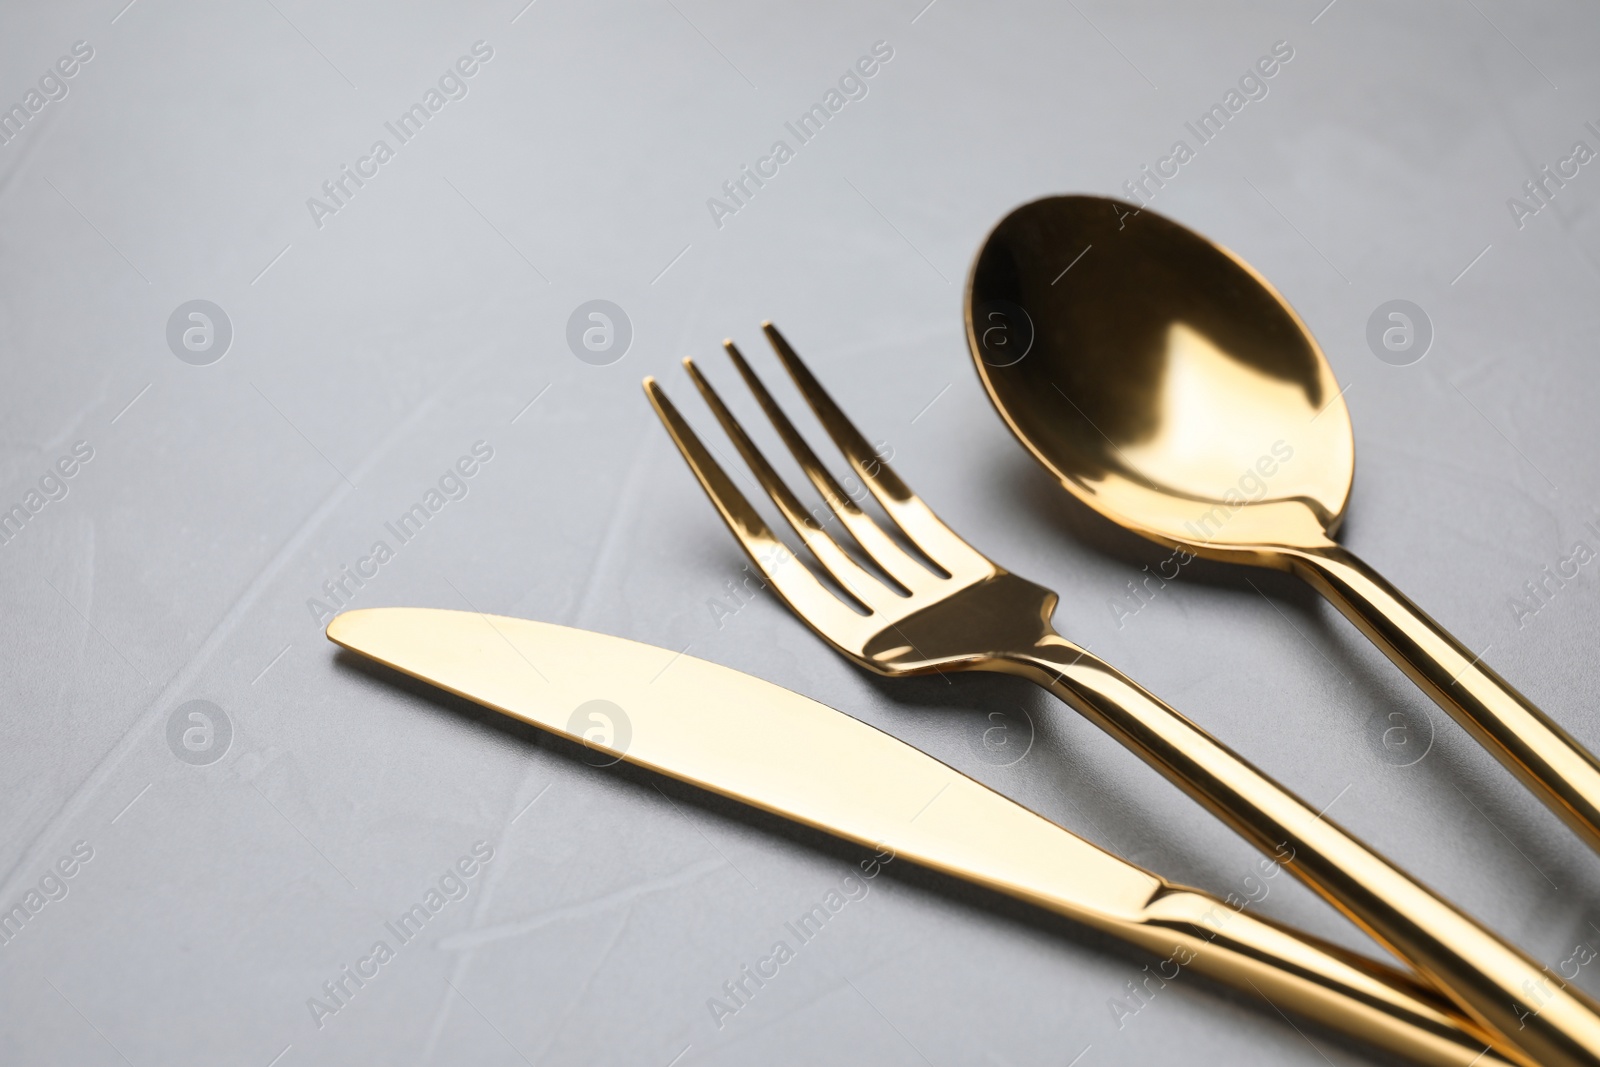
<point>1168,386</point>
<point>1161,380</point>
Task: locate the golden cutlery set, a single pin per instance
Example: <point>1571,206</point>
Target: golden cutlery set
<point>1168,386</point>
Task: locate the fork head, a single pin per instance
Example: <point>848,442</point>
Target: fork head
<point>963,612</point>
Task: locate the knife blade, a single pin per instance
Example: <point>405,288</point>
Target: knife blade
<point>756,742</point>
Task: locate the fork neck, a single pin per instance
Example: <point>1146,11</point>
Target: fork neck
<point>1158,734</point>
<point>1110,700</point>
<point>1050,662</point>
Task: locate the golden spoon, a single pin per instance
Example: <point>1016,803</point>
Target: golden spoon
<point>1172,389</point>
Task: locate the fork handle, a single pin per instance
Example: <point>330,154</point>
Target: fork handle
<point>1498,986</point>
<point>1546,759</point>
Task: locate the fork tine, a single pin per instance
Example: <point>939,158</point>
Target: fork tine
<point>795,585</point>
<point>915,519</point>
<point>867,590</point>
<point>905,570</point>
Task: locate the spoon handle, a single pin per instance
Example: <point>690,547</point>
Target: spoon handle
<point>1547,760</point>
<point>1497,985</point>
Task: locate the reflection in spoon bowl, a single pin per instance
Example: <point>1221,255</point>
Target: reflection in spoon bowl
<point>1166,384</point>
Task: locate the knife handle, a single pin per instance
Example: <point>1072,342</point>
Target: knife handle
<point>1297,974</point>
<point>1500,987</point>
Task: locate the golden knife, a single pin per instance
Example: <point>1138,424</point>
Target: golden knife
<point>761,744</point>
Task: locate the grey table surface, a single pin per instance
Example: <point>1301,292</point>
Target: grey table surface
<point>360,341</point>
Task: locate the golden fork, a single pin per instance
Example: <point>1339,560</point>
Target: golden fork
<point>970,614</point>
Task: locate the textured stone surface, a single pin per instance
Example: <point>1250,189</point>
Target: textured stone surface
<point>374,345</point>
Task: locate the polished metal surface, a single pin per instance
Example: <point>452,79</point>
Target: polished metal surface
<point>761,744</point>
<point>242,858</point>
<point>1168,386</point>
<point>964,612</point>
